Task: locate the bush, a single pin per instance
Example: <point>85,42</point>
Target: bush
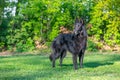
<point>25,46</point>
<point>91,46</point>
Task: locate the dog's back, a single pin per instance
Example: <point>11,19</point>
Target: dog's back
<point>63,40</point>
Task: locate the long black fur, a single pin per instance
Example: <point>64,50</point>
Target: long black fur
<point>73,42</point>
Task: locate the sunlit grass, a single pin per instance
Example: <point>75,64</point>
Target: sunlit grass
<point>36,67</point>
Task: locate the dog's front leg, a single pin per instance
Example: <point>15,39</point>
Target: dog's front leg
<point>81,56</point>
<point>75,61</point>
<point>53,63</point>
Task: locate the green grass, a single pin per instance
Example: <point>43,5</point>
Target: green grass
<point>38,67</point>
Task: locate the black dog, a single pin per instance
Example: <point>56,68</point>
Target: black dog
<point>73,42</point>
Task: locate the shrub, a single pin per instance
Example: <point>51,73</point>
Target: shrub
<point>91,46</point>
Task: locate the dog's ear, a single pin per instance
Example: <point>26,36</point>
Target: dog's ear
<point>81,21</point>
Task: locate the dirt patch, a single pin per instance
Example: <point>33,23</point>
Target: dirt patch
<point>5,53</point>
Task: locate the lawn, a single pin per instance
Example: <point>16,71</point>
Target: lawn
<point>97,66</point>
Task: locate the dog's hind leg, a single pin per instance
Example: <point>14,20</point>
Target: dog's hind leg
<point>62,55</point>
<point>55,55</point>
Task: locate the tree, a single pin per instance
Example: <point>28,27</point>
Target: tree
<point>105,21</point>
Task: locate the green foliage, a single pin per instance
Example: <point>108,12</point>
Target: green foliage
<point>54,33</point>
<point>25,46</point>
<point>40,20</point>
<point>29,67</point>
<point>48,44</point>
<point>105,22</point>
<point>1,46</point>
<point>91,46</point>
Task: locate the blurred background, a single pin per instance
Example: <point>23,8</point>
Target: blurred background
<point>29,25</point>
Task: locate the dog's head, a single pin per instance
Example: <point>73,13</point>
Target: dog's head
<point>78,27</point>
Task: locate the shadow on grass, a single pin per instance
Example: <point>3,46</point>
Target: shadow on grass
<point>109,60</point>
<point>66,65</point>
<point>96,64</point>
